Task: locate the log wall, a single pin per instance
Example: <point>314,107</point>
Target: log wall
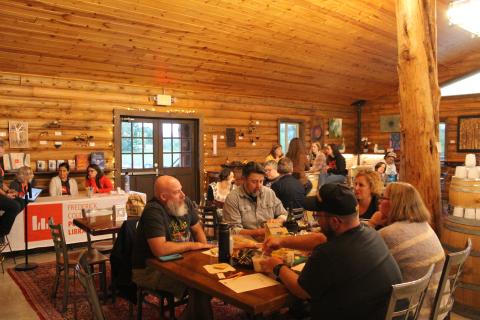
<point>450,109</point>
<point>86,107</point>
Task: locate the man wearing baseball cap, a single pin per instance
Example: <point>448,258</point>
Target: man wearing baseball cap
<point>351,275</point>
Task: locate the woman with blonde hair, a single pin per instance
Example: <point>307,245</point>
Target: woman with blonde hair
<point>318,159</point>
<point>408,235</point>
<point>367,186</point>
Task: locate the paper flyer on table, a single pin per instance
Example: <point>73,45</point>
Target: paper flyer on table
<point>250,282</point>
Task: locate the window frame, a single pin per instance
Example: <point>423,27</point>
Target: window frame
<point>301,129</point>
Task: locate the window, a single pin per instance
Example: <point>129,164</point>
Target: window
<point>177,144</point>
<point>467,85</point>
<point>137,145</point>
<point>288,131</point>
<point>442,135</point>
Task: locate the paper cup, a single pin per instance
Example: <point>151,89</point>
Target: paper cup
<point>472,173</point>
<point>470,160</point>
<point>460,172</point>
<point>469,213</point>
<point>458,212</point>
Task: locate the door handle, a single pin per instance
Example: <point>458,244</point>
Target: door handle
<point>143,173</point>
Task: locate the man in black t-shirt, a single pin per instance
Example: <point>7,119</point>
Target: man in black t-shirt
<point>287,188</point>
<point>348,277</point>
<point>169,224</point>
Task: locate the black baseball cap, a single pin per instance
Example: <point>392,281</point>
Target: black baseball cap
<point>333,198</point>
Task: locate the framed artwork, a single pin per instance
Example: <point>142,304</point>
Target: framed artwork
<point>230,133</point>
<point>335,128</point>
<point>395,141</point>
<point>317,130</point>
<point>390,123</point>
<point>468,134</point>
<point>18,134</point>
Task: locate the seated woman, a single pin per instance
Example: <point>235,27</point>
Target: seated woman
<point>368,188</point>
<point>380,168</point>
<point>276,153</point>
<point>97,180</point>
<point>317,158</point>
<point>336,169</point>
<point>218,191</point>
<point>408,235</point>
<point>23,177</point>
<point>296,153</point>
<point>62,184</point>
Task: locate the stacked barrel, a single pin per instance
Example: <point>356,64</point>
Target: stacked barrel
<point>463,222</point>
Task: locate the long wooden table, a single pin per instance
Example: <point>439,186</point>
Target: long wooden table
<point>190,271</point>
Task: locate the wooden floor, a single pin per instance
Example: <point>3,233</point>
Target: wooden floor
<point>21,309</point>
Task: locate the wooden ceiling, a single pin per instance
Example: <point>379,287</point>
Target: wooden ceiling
<point>314,50</point>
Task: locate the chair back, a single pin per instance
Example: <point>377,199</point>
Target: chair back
<point>58,237</point>
<point>452,269</point>
<point>407,298</point>
<point>85,278</point>
<point>209,219</point>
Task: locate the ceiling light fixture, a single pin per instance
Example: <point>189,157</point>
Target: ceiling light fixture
<point>465,14</point>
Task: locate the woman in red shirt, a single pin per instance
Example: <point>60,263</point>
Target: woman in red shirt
<point>97,180</point>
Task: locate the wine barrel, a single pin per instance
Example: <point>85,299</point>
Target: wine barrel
<point>454,236</point>
<point>465,193</point>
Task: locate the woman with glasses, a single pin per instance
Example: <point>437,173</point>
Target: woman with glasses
<point>408,235</point>
<point>368,187</point>
<point>62,184</point>
<point>97,180</point>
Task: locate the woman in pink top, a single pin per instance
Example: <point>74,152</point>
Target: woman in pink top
<point>97,180</point>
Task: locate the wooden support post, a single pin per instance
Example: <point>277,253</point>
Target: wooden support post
<point>419,96</point>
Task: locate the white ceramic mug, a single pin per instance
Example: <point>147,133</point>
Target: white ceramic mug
<point>458,212</point>
<point>470,160</point>
<point>469,213</point>
<point>461,172</point>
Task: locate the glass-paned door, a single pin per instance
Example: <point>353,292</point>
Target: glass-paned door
<point>151,147</point>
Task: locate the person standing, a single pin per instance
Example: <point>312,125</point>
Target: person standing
<point>296,153</point>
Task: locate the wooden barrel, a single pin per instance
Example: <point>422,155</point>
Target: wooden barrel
<point>454,236</point>
<point>465,193</point>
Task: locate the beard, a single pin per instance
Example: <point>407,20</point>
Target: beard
<point>177,209</point>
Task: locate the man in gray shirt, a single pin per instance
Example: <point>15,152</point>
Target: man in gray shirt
<point>248,207</point>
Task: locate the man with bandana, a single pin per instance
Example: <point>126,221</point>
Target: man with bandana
<point>169,224</point>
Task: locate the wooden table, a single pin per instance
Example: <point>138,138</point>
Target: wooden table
<point>190,271</point>
<point>100,225</point>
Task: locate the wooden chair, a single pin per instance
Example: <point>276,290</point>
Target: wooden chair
<point>104,246</point>
<point>407,298</point>
<point>66,261</point>
<point>85,277</point>
<point>166,299</point>
<point>452,269</point>
<point>209,219</point>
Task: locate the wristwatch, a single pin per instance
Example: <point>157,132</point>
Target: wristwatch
<point>276,270</point>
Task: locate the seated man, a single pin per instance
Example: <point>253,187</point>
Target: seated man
<point>271,173</point>
<point>287,188</point>
<point>10,204</point>
<point>167,225</point>
<point>351,275</point>
<point>248,207</point>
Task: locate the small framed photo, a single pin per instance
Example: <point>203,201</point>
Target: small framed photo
<point>52,165</point>
<point>41,165</point>
<point>119,212</point>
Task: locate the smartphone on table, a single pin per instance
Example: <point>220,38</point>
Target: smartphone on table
<point>170,257</point>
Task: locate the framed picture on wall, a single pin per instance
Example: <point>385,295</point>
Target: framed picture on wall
<point>468,133</point>
<point>335,128</point>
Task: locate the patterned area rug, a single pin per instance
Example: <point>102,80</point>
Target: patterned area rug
<point>36,286</point>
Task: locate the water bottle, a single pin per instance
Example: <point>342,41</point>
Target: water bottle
<point>127,183</point>
<point>223,243</point>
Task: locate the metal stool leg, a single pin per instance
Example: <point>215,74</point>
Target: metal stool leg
<point>10,248</point>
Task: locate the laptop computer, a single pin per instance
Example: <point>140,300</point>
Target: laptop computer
<point>35,193</point>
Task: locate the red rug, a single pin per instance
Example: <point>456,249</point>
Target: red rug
<point>36,286</point>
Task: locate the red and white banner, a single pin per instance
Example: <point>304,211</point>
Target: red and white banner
<point>63,209</point>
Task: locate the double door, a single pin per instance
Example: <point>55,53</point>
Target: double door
<point>151,147</point>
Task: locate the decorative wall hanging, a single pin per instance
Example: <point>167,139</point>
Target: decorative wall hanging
<point>468,134</point>
<point>335,128</point>
<point>18,134</point>
<point>214,145</point>
<point>390,123</point>
<point>230,133</point>
<point>317,130</point>
<point>395,141</point>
